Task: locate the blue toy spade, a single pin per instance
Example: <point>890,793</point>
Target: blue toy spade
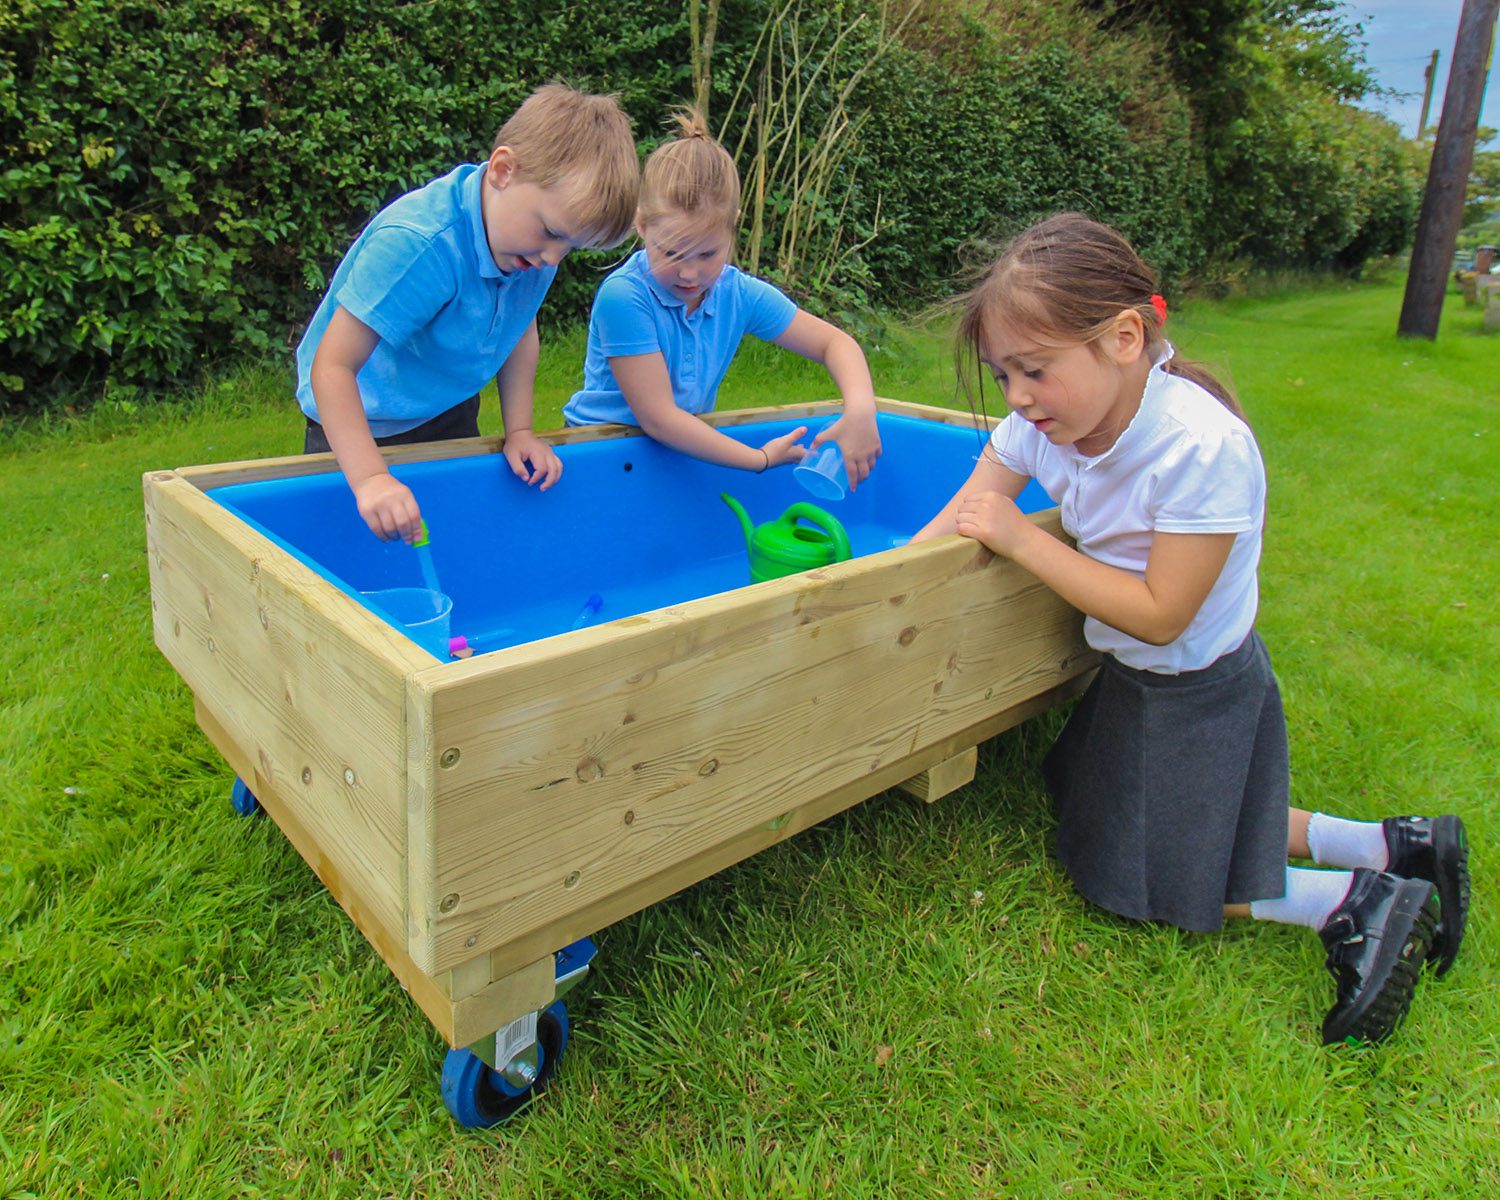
<point>783,547</point>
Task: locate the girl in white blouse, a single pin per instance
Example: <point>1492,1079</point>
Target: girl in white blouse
<point>1171,777</point>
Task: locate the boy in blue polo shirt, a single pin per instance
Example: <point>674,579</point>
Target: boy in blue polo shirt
<point>665,325</point>
<point>440,292</point>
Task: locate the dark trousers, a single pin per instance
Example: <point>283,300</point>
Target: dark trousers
<point>460,421</point>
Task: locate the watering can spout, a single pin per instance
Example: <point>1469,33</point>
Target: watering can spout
<point>739,510</point>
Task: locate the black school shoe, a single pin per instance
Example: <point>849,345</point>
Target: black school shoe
<point>1437,850</point>
<point>1377,939</point>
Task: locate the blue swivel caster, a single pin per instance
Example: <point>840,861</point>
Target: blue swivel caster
<point>243,799</point>
<point>527,1053</point>
<point>479,1096</point>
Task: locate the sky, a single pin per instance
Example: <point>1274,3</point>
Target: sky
<point>1400,36</point>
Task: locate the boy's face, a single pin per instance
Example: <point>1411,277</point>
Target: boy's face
<point>687,254</point>
<point>526,225</point>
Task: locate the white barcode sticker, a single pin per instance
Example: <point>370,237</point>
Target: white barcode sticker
<point>519,1035</point>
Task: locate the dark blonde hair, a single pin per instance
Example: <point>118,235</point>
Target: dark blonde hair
<point>1065,281</point>
<point>690,175</point>
<point>582,145</point>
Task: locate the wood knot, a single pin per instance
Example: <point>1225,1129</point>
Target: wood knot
<point>589,770</point>
<point>709,768</point>
<point>908,635</point>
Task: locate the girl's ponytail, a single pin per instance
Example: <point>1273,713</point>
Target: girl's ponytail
<point>691,174</point>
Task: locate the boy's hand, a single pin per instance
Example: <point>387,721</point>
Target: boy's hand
<point>859,439</point>
<point>388,507</point>
<point>784,449</point>
<point>532,459</point>
<point>993,519</point>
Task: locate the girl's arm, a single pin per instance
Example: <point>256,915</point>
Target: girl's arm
<point>517,385</point>
<point>855,431</point>
<point>989,475</point>
<point>647,388</point>
<point>1181,569</point>
<point>386,504</point>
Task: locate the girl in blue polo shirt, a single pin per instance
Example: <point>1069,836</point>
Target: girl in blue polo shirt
<point>665,325</point>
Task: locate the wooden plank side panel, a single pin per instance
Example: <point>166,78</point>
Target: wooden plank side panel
<point>431,997</point>
<point>578,773</point>
<point>306,682</point>
<point>568,926</point>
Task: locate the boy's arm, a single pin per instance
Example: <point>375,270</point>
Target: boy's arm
<point>517,385</point>
<point>855,431</point>
<point>647,389</point>
<point>386,504</point>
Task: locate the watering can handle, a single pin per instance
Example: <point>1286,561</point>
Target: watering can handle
<point>825,521</point>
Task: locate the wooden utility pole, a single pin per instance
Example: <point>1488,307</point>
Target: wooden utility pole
<point>1430,75</point>
<point>1448,176</point>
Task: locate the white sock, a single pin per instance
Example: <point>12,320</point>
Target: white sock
<point>1335,842</point>
<point>1311,897</point>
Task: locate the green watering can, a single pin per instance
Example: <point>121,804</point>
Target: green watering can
<point>783,547</point>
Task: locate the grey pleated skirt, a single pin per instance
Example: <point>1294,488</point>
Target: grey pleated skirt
<point>1172,790</point>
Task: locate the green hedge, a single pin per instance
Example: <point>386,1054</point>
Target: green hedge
<point>183,176</point>
<point>178,179</point>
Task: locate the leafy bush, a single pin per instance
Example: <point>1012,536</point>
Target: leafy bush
<point>183,176</point>
<point>179,179</point>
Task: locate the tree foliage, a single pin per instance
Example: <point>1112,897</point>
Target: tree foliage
<point>177,180</point>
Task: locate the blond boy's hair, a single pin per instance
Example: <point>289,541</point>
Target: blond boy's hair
<point>690,175</point>
<point>581,144</point>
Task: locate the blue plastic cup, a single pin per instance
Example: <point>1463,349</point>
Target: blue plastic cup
<point>420,613</point>
<point>821,472</point>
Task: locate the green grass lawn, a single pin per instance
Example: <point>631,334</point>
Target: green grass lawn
<point>906,1001</point>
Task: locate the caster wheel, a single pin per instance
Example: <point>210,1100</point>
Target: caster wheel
<point>243,799</point>
<point>479,1096</point>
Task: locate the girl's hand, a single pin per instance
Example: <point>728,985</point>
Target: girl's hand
<point>859,439</point>
<point>524,447</point>
<point>388,507</point>
<point>993,519</point>
<point>784,449</point>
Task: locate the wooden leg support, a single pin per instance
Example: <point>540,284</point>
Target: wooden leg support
<point>947,776</point>
<point>483,1003</point>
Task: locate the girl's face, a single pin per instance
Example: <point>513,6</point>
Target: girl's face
<point>1082,395</point>
<point>687,253</point>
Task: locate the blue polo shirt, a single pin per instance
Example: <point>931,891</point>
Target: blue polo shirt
<point>633,314</point>
<point>421,275</point>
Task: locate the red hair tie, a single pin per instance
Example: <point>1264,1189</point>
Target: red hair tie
<point>1160,304</point>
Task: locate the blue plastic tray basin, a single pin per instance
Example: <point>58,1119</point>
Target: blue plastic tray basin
<point>632,522</point>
